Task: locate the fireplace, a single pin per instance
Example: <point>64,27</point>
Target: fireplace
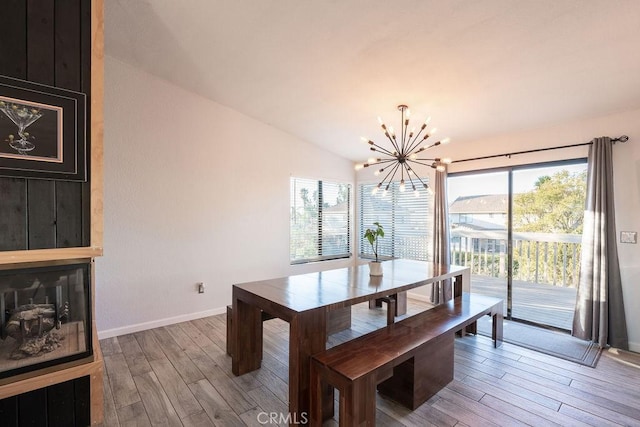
<point>45,317</point>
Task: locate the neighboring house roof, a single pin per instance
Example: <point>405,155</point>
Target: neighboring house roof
<point>489,203</point>
<point>478,225</point>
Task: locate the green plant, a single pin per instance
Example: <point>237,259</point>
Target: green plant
<point>372,236</point>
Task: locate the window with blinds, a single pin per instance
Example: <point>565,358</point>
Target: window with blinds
<point>406,219</point>
<point>320,220</point>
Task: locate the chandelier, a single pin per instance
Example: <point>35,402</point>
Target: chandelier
<point>405,152</point>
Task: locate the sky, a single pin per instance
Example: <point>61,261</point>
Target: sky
<point>496,182</point>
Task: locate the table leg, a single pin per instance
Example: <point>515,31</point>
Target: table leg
<point>307,336</point>
<point>247,337</point>
<point>497,325</point>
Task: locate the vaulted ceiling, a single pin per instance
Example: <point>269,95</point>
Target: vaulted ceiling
<point>323,70</point>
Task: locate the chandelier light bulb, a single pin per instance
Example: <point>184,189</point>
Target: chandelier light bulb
<point>392,132</point>
<point>413,156</point>
<point>402,186</point>
<point>374,191</point>
<point>416,194</point>
<point>359,166</point>
<point>446,161</point>
<point>384,193</point>
<point>440,168</point>
<point>427,120</point>
<point>372,160</point>
<point>445,140</point>
<point>380,121</point>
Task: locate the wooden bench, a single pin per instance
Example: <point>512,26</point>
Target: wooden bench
<point>408,361</point>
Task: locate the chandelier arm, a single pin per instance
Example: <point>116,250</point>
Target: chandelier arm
<point>421,181</point>
<point>418,178</point>
<point>420,163</point>
<point>393,142</point>
<point>395,168</point>
<point>382,149</point>
<point>414,145</point>
<point>411,180</point>
<point>384,161</point>
<point>405,125</point>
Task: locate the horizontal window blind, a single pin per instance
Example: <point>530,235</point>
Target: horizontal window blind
<point>319,220</point>
<point>407,221</point>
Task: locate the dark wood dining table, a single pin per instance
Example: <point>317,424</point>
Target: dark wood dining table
<point>306,301</point>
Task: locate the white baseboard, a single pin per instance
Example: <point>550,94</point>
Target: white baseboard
<point>130,329</point>
<point>418,297</point>
<point>634,346</point>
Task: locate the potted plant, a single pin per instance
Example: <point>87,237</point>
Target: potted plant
<point>372,235</point>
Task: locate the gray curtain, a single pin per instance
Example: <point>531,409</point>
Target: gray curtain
<point>599,313</point>
<point>441,291</point>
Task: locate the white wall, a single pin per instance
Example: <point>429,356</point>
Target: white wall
<point>626,180</point>
<point>194,192</point>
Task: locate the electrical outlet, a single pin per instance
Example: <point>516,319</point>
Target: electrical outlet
<point>628,237</point>
<point>200,288</point>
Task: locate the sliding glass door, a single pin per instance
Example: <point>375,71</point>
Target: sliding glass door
<point>478,218</point>
<point>519,229</point>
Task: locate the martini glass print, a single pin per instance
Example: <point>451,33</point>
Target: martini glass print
<point>22,116</point>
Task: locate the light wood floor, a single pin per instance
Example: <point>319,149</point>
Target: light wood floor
<point>180,375</point>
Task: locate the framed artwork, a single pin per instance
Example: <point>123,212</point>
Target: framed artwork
<point>42,131</point>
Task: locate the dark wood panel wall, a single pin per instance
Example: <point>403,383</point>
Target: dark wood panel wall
<point>48,42</point>
<point>64,404</point>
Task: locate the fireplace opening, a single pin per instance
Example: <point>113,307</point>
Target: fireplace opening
<point>45,317</point>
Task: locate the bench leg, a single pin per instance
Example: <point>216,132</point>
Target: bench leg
<point>316,395</point>
<point>358,403</point>
<point>391,309</point>
<point>416,380</point>
<point>401,303</point>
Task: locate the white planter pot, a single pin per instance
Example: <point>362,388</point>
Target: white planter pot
<point>375,268</point>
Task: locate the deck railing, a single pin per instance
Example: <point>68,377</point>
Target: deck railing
<point>544,258</point>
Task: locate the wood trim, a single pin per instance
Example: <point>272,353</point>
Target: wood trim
<point>93,367</point>
<point>97,123</point>
<point>54,375</point>
<point>40,255</point>
<point>97,378</point>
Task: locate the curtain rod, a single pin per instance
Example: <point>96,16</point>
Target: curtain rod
<point>623,138</point>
